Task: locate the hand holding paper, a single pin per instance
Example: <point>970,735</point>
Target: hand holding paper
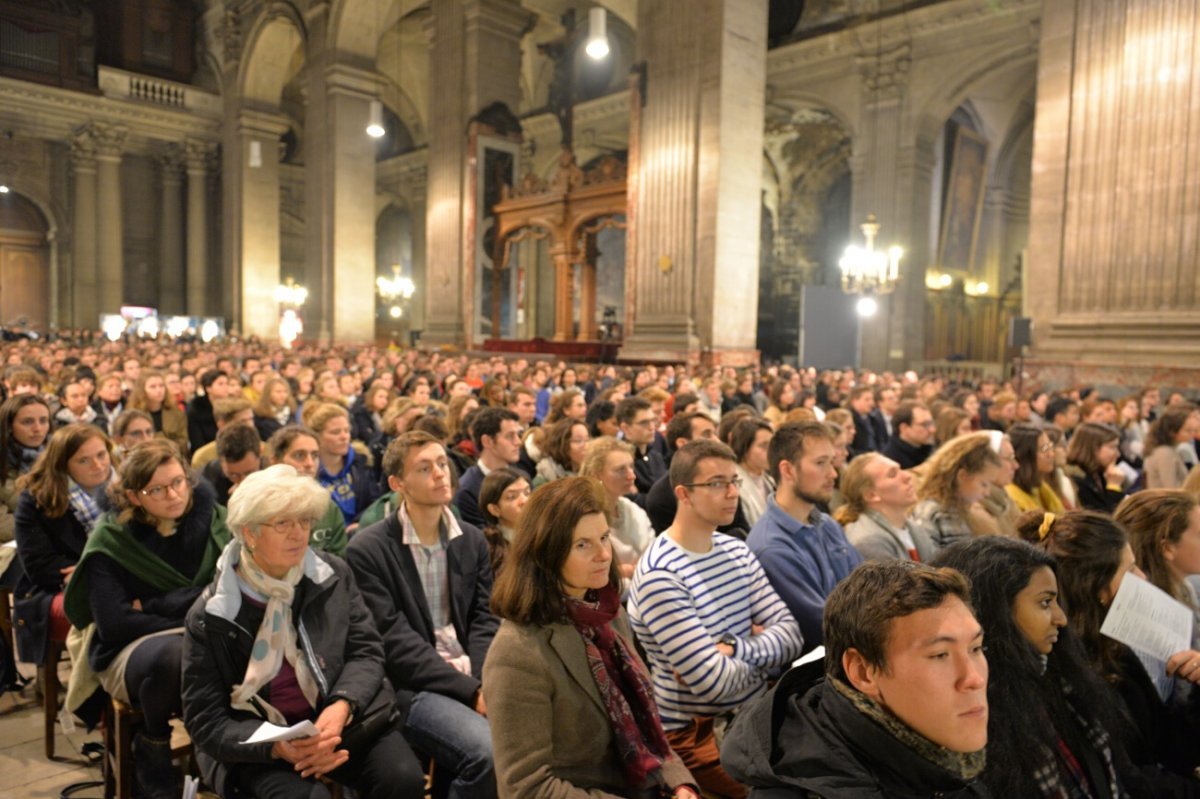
<point>269,733</point>
<point>1153,624</point>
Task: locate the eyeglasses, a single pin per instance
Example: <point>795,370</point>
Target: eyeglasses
<point>284,526</point>
<point>176,487</point>
<point>717,485</point>
<point>1046,448</point>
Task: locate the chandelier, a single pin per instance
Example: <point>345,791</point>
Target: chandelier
<point>290,293</point>
<point>395,287</point>
<point>866,270</point>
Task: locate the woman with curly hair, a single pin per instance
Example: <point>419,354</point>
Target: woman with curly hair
<point>563,451</point>
<point>957,476</point>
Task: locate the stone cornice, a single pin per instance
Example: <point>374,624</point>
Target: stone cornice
<point>611,106</point>
<point>47,112</point>
<point>410,169</point>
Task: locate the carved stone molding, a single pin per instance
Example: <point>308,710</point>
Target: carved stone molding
<point>170,160</point>
<point>885,74</point>
<point>230,35</point>
<point>83,149</point>
<point>109,139</point>
<point>200,156</point>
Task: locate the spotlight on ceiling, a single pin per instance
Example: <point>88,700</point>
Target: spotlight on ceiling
<point>597,41</point>
<point>375,122</point>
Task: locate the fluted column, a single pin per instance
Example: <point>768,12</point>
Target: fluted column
<point>197,155</point>
<point>110,140</point>
<point>695,198</point>
<point>83,277</point>
<point>170,231</point>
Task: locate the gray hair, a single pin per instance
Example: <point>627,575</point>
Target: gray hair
<point>275,491</point>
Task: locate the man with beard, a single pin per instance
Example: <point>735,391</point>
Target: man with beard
<point>712,626</point>
<point>804,552</point>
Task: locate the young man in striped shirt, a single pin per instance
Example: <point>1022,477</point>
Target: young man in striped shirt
<point>712,626</point>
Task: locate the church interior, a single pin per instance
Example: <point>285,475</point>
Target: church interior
<point>697,192</point>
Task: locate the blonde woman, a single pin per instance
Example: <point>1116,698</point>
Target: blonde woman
<point>957,476</point>
<point>611,463</point>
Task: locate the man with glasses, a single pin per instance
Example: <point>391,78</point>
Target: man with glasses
<point>712,626</point>
<point>804,552</point>
<point>638,422</point>
<point>913,442</point>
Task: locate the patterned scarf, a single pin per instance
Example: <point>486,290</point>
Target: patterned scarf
<point>276,639</point>
<point>83,504</point>
<point>1061,775</point>
<point>624,687</point>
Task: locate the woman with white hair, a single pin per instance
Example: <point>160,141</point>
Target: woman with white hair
<point>282,635</point>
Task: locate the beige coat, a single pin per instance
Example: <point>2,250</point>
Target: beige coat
<point>551,737</point>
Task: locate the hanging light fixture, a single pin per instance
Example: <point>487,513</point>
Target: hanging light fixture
<point>866,270</point>
<point>375,127</point>
<point>395,287</point>
<point>597,40</point>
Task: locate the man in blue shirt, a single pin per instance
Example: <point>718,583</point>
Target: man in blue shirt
<point>804,552</point>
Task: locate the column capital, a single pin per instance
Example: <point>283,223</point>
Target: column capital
<point>83,150</point>
<point>885,75</point>
<point>352,81</point>
<point>109,140</point>
<point>499,17</point>
<point>170,160</point>
<point>199,156</point>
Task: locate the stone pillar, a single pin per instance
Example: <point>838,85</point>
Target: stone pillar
<point>197,155</point>
<point>255,218</point>
<point>170,231</point>
<point>696,195</point>
<point>83,278</point>
<point>417,208</point>
<point>475,60</point>
<point>1114,291</point>
<point>109,256</point>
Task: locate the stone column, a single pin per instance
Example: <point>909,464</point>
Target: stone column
<point>475,60</point>
<point>109,256</point>
<point>83,278</point>
<point>197,155</point>
<point>696,195</point>
<point>255,222</point>
<point>170,231</point>
<point>417,208</point>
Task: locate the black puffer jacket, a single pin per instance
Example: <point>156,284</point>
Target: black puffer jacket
<point>335,633</point>
<point>805,739</point>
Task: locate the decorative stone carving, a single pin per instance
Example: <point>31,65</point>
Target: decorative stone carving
<point>200,156</point>
<point>886,74</point>
<point>230,35</point>
<point>109,139</point>
<point>170,160</point>
<point>83,149</point>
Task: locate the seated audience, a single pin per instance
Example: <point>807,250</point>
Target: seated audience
<point>902,708</point>
<point>282,635</point>
<point>341,468</point>
<point>750,440</point>
<point>1164,466</point>
<point>141,569</point>
<point>239,454</point>
<point>875,517</point>
<point>131,428</point>
<point>497,437</point>
<point>501,499</point>
<point>610,462</point>
<point>1034,452</point>
<point>957,476</point>
<point>1094,556</point>
<point>62,496</point>
<point>1092,459</point>
<point>913,442</point>
<point>75,398</point>
<point>297,447</point>
<point>234,410</point>
<point>803,551</point>
<point>276,407</point>
<point>563,451</point>
<point>427,579</point>
<point>571,706</point>
<point>712,626</point>
<point>150,395</point>
<point>1050,724</point>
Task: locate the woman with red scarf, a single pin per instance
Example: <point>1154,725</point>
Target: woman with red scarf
<point>570,702</point>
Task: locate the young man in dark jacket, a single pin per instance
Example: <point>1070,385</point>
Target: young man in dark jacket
<point>901,711</point>
<point>427,580</point>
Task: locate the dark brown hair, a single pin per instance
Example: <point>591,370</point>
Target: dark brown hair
<point>401,447</point>
<point>1154,518</point>
<point>742,437</point>
<point>1084,449</point>
<point>8,414</point>
<point>686,461</point>
<point>790,440</point>
<point>1024,438</point>
<point>48,479</point>
<point>1164,429</point>
<point>137,470</point>
<point>529,589</point>
<point>557,445</point>
<point>860,610</point>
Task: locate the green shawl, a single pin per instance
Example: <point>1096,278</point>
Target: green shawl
<point>111,537</point>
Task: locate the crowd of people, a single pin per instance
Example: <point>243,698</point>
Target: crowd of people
<point>557,580</point>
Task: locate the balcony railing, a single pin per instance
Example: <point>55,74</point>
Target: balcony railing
<point>122,85</point>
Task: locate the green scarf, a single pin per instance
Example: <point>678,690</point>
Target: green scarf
<point>112,538</point>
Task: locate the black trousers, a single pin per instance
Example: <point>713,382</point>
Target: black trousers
<point>387,769</point>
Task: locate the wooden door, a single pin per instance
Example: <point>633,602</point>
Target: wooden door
<point>24,285</point>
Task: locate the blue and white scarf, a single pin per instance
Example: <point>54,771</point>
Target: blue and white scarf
<point>84,504</point>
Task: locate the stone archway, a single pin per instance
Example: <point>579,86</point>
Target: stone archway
<point>24,263</point>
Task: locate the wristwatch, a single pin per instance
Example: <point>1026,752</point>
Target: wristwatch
<point>729,640</point>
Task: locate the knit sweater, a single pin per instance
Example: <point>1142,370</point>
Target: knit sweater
<point>682,602</point>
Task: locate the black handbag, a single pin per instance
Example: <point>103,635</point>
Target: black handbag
<point>379,717</point>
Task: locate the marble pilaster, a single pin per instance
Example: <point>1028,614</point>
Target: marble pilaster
<point>83,167</point>
<point>109,140</point>
<point>170,232</point>
<point>198,156</point>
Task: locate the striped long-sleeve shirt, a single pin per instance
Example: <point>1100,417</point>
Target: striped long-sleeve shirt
<point>682,602</point>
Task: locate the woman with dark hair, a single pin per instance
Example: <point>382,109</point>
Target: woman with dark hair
<point>1034,452</point>
<point>601,418</point>
<point>62,497</point>
<point>143,566</point>
<point>366,415</point>
<point>1093,556</point>
<point>968,401</point>
<point>1048,731</point>
<point>150,395</point>
<point>749,441</point>
<point>1092,459</point>
<point>566,404</point>
<point>502,497</point>
<point>275,408</point>
<point>563,450</point>
<point>570,702</point>
<point>24,426</point>
<point>1165,467</point>
<point>782,397</point>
